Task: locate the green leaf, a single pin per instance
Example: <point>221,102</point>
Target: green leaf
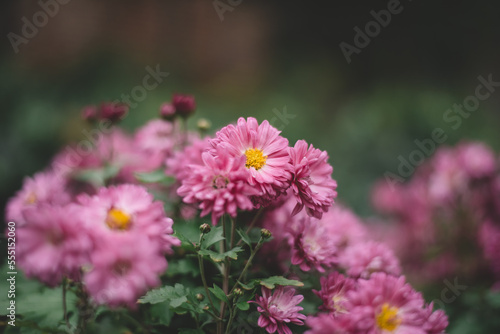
<point>245,237</point>
<point>185,242</point>
<point>219,257</point>
<point>250,285</point>
<point>215,235</point>
<point>157,176</point>
<point>183,267</point>
<point>219,293</point>
<point>97,176</point>
<point>271,282</point>
<point>243,305</point>
<point>166,293</point>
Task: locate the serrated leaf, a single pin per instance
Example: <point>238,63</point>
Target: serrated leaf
<point>272,281</point>
<point>215,235</point>
<point>219,257</point>
<point>219,293</point>
<point>166,293</point>
<point>244,237</point>
<point>157,176</point>
<point>185,242</point>
<point>243,305</point>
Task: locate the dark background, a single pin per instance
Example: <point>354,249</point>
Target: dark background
<point>262,57</point>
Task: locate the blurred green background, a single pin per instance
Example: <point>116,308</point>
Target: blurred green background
<point>258,60</point>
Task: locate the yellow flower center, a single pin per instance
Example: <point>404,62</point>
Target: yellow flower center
<point>388,318</point>
<point>118,220</point>
<point>31,198</point>
<point>255,158</point>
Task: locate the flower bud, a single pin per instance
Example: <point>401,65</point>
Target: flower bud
<point>205,228</point>
<point>203,124</point>
<point>238,292</point>
<point>167,111</point>
<point>200,297</point>
<point>184,105</point>
<point>265,233</point>
<point>113,111</point>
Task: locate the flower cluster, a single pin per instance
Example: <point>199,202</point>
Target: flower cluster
<point>451,201</point>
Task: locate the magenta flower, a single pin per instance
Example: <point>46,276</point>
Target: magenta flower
<point>435,322</point>
<point>333,292</point>
<point>157,139</point>
<point>312,182</point>
<point>44,188</point>
<point>279,308</point>
<point>128,209</point>
<point>477,159</point>
<point>267,159</point>
<point>365,258</point>
<point>123,269</point>
<point>53,243</point>
<point>220,186</point>
<point>167,111</point>
<point>190,155</point>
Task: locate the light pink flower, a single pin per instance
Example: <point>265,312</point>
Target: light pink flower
<point>220,186</point>
<point>157,139</point>
<point>314,246</point>
<point>266,153</point>
<point>365,258</point>
<point>53,243</point>
<point>44,188</point>
<point>312,182</point>
<point>435,322</point>
<point>385,303</point>
<point>278,308</point>
<point>333,292</point>
<point>123,269</point>
<point>344,227</point>
<point>477,159</point>
<point>128,209</point>
<point>190,155</point>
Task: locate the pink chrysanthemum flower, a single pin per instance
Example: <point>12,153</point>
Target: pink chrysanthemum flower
<point>279,308</point>
<point>128,209</point>
<point>44,188</point>
<point>312,182</point>
<point>365,258</point>
<point>385,304</point>
<point>157,138</point>
<point>477,159</point>
<point>435,322</point>
<point>314,246</point>
<point>190,155</point>
<point>333,292</point>
<point>325,323</point>
<point>53,243</point>
<point>344,227</point>
<point>489,238</point>
<point>220,185</point>
<point>266,153</point>
<point>123,269</point>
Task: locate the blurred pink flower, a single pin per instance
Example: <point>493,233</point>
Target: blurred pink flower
<point>333,292</point>
<point>190,155</point>
<point>435,322</point>
<point>278,308</point>
<point>43,188</point>
<point>489,239</point>
<point>266,153</point>
<point>220,186</point>
<point>324,323</point>
<point>123,269</point>
<point>365,258</point>
<point>53,243</point>
<point>312,182</point>
<point>477,159</point>
<point>184,105</point>
<point>157,139</point>
<point>128,209</point>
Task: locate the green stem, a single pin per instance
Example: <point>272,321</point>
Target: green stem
<point>203,279</point>
<point>249,262</point>
<point>225,280</point>
<point>232,313</point>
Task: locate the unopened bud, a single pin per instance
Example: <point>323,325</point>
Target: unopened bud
<point>113,111</point>
<point>238,292</point>
<point>203,124</point>
<point>184,105</point>
<point>206,308</point>
<point>167,111</point>
<point>265,233</point>
<point>205,228</point>
<point>200,297</point>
